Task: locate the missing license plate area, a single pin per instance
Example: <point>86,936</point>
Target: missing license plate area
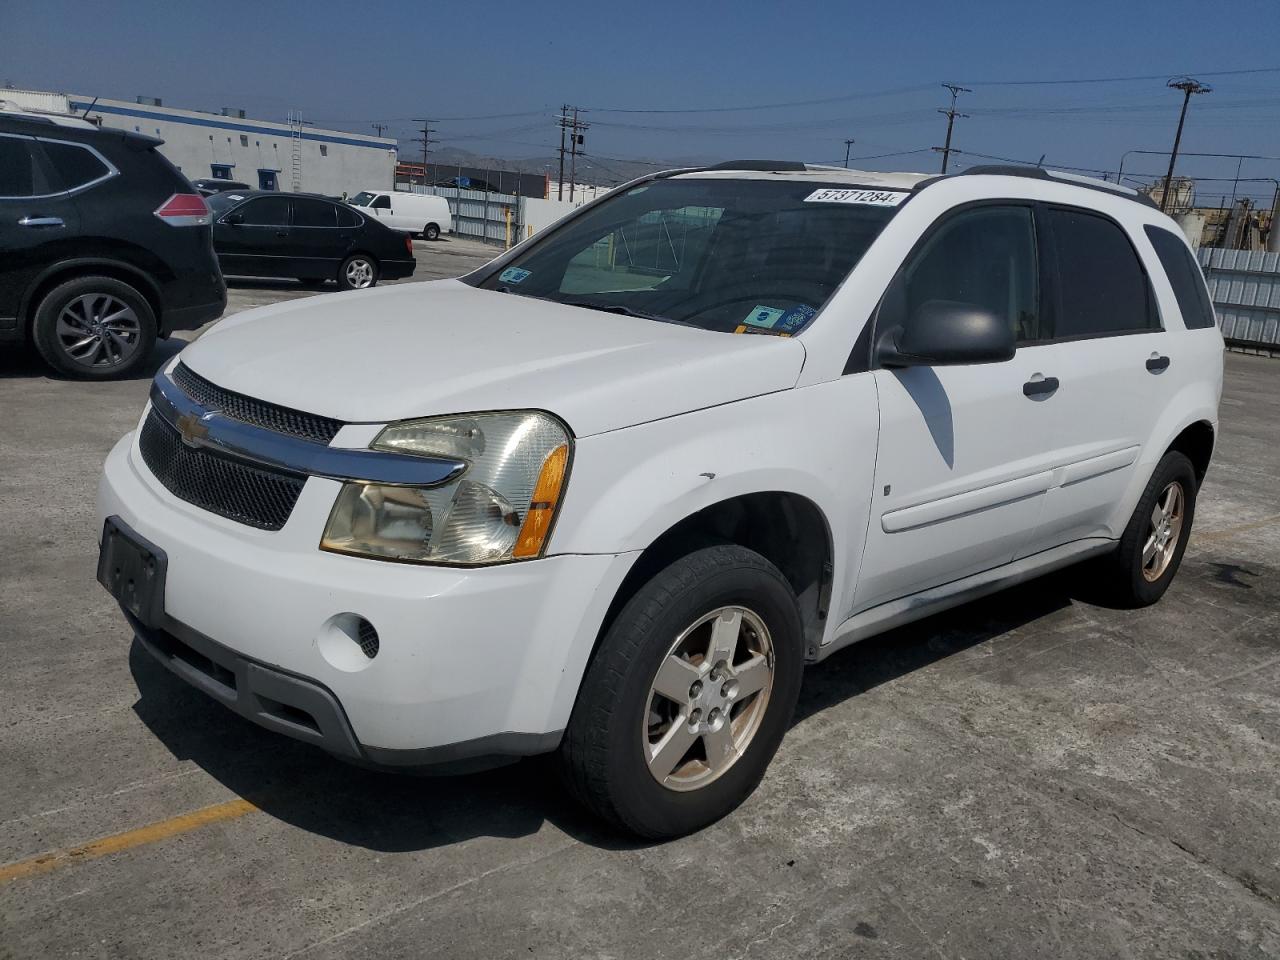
<point>133,571</point>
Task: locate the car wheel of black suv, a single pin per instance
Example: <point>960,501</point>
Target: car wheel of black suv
<point>1141,568</point>
<point>94,328</point>
<point>358,272</point>
<point>430,232</point>
<point>688,696</point>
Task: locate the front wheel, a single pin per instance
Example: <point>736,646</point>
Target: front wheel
<point>689,695</point>
<point>358,272</point>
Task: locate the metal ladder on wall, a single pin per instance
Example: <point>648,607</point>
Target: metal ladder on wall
<point>295,127</point>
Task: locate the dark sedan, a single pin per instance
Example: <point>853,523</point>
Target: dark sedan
<point>267,234</point>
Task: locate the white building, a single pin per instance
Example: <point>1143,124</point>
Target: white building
<point>261,153</point>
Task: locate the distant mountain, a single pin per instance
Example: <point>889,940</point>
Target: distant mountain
<point>590,170</point>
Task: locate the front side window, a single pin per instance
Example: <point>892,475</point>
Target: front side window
<point>724,254</point>
<point>313,213</point>
<point>1102,287</point>
<point>74,165</point>
<point>984,257</point>
<point>381,203</point>
<point>1185,278</point>
<point>266,212</point>
<point>17,167</point>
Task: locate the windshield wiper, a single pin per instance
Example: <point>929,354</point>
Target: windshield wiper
<point>615,308</point>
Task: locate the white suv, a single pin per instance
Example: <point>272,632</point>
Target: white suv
<point>609,494</point>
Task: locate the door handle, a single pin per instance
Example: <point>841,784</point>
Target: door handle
<point>41,222</point>
<point>1034,388</point>
<point>1157,363</point>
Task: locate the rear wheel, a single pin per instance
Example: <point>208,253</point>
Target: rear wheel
<point>94,328</point>
<point>431,232</point>
<point>689,695</point>
<point>358,272</point>
<point>1150,551</point>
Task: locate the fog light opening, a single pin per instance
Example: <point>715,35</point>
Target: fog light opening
<point>348,642</point>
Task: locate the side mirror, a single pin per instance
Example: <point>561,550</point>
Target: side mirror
<point>233,219</point>
<point>947,333</point>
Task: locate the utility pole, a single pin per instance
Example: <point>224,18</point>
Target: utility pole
<point>1188,86</point>
<point>379,127</point>
<point>425,140</point>
<point>574,126</point>
<point>951,115</point>
<point>847,145</point>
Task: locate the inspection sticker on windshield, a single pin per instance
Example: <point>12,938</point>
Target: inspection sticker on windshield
<point>871,198</point>
<point>514,275</point>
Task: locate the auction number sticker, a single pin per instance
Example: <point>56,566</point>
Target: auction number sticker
<point>872,198</point>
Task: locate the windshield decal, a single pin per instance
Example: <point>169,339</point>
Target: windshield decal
<point>795,318</point>
<point>871,198</point>
<point>762,316</point>
<point>514,275</point>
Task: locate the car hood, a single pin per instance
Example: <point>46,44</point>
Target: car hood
<point>422,349</point>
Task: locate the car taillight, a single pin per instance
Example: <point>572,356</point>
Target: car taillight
<point>408,244</point>
<point>184,210</point>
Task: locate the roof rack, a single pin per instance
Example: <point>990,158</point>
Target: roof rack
<point>1057,176</point>
<point>760,166</point>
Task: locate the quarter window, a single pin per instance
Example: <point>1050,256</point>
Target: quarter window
<point>266,212</point>
<point>1185,278</point>
<point>985,257</point>
<point>1102,286</point>
<point>17,168</point>
<point>75,165</point>
<point>347,217</point>
<point>313,213</point>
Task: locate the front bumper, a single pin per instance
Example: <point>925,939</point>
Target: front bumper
<point>472,662</point>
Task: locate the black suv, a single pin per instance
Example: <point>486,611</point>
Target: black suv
<point>104,246</point>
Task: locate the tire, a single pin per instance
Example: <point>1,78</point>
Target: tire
<point>1126,577</point>
<point>94,328</point>
<point>358,272</point>
<point>431,232</point>
<point>620,717</point>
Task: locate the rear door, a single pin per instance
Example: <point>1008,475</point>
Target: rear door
<point>36,218</point>
<point>1112,359</point>
<point>318,243</point>
<point>965,455</point>
<point>253,239</point>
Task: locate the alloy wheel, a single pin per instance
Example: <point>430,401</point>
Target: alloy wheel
<point>359,274</point>
<point>98,330</point>
<point>708,698</point>
<point>1163,532</point>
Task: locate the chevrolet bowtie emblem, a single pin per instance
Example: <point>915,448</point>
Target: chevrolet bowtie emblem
<point>193,429</point>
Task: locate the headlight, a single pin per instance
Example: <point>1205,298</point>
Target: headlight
<point>501,508</point>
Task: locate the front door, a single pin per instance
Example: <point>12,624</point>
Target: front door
<point>964,457</point>
<point>252,240</point>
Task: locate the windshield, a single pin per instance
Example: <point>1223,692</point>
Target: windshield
<point>220,203</point>
<point>361,199</point>
<point>732,255</point>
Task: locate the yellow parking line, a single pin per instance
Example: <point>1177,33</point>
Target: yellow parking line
<point>1232,531</point>
<point>105,846</point>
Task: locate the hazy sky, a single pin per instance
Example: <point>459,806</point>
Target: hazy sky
<point>348,65</point>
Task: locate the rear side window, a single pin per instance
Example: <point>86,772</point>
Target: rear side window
<point>313,213</point>
<point>74,164</point>
<point>17,168</point>
<point>1101,284</point>
<point>1185,278</point>
<point>266,211</point>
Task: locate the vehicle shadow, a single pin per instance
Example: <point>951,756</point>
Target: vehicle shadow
<point>396,812</point>
<point>27,365</point>
<point>275,283</point>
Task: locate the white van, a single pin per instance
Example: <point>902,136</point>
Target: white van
<point>420,213</point>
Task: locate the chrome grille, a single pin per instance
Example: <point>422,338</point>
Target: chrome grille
<point>230,488</point>
<point>294,423</point>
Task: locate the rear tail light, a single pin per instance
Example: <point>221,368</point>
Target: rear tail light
<point>184,210</point>
<point>408,244</point>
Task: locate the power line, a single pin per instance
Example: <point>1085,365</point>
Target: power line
<point>1149,76</point>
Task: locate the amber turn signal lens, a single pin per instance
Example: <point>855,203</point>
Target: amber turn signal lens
<point>542,509</point>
